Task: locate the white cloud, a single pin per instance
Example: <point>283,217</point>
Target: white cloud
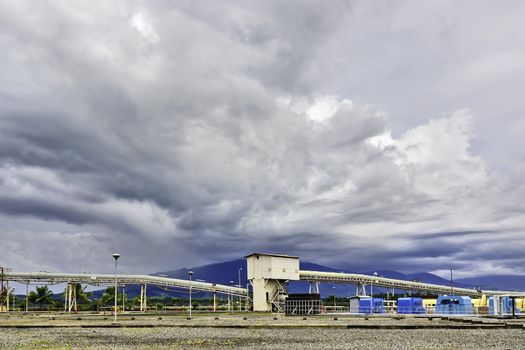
<point>325,107</point>
<point>437,155</point>
<point>145,29</point>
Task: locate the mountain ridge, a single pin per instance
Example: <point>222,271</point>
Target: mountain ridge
<point>228,273</point>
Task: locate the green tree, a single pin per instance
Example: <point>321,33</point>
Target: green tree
<point>3,295</point>
<point>108,297</point>
<point>42,296</point>
<point>81,293</point>
<point>135,301</point>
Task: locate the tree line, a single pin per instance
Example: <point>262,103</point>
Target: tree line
<point>43,298</point>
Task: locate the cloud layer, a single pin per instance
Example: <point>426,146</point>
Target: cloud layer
<point>179,134</point>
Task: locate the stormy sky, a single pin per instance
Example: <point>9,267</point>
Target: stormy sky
<point>363,134</point>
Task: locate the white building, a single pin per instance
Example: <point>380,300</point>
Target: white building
<point>269,274</point>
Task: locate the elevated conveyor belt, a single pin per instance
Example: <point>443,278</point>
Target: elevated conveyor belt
<point>351,278</point>
<point>109,279</point>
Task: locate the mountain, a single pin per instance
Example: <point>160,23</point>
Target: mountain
<point>226,272</point>
<point>507,282</point>
<point>305,265</point>
<point>222,273</point>
<point>431,278</point>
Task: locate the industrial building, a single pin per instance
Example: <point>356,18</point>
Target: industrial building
<point>303,304</point>
<point>410,306</point>
<point>454,305</point>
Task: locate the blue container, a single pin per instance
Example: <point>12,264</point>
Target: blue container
<point>454,305</point>
<point>410,306</point>
<point>371,306</point>
<point>506,306</point>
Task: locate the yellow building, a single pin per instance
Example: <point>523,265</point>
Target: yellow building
<point>429,305</point>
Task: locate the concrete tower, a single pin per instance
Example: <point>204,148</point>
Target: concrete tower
<point>269,275</point>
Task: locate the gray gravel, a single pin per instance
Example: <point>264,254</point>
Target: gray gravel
<point>219,338</point>
<point>172,332</point>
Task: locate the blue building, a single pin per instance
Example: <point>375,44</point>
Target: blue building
<point>454,305</point>
<point>368,305</point>
<point>410,306</point>
<point>506,306</point>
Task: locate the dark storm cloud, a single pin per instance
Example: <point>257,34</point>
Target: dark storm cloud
<point>454,234</point>
<point>42,210</point>
<point>499,249</point>
<point>183,134</point>
<point>47,141</point>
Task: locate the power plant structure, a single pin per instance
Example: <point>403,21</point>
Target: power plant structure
<point>268,274</point>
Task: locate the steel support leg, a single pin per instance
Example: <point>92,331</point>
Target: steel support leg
<point>65,297</point>
<point>313,288</point>
<point>27,297</point>
<point>143,298</point>
<point>70,297</point>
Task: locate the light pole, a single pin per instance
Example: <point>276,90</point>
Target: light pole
<point>230,296</point>
<point>123,296</point>
<point>451,281</point>
<point>189,274</point>
<point>239,272</point>
<point>247,296</point>
<point>116,256</point>
<point>27,296</point>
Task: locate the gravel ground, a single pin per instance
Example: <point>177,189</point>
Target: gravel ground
<point>222,319</point>
<point>220,338</point>
<point>172,332</point>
